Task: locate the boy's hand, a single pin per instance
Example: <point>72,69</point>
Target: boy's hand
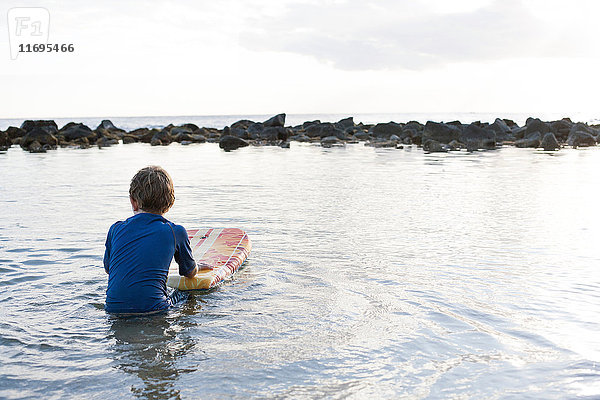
<point>192,273</point>
<point>203,266</point>
<point>200,266</point>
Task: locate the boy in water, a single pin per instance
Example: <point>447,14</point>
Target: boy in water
<point>139,250</point>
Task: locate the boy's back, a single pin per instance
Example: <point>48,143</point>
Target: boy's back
<point>138,254</point>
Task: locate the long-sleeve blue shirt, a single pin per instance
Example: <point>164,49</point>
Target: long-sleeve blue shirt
<point>138,253</point>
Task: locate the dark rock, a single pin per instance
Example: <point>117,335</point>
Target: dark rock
<point>500,126</point>
<point>440,132</point>
<point>116,135</point>
<point>381,144</point>
<point>309,123</point>
<point>161,138</point>
<point>109,126</point>
<point>581,139</point>
<point>110,135</point>
<point>414,125</point>
<point>191,127</point>
<point>36,147</point>
<point>409,133</point>
<point>229,143</point>
<point>299,138</point>
<point>255,129</point>
<point>70,125</point>
<point>239,132</point>
<point>362,135</point>
<point>531,140</point>
<point>198,138</point>
<point>47,125</point>
<point>386,130</point>
<point>561,129</point>
<point>182,137</point>
<point>179,130</point>
<point>144,135</point>
<point>13,132</point>
<point>83,142</point>
<point>581,127</point>
<point>5,141</point>
<point>412,133</point>
<point>329,129</point>
<point>475,137</point>
<point>127,139</point>
<point>549,142</point>
<point>201,131</point>
<point>277,120</point>
<point>502,130</point>
<point>433,146</point>
<point>313,130</point>
<point>40,135</point>
<point>274,133</point>
<point>519,133</point>
<point>536,125</point>
<point>169,127</point>
<point>213,133</point>
<point>455,145</point>
<point>345,124</point>
<point>285,145</point>
<point>329,141</point>
<point>323,130</point>
<point>139,132</point>
<point>105,141</point>
<point>243,124</point>
<point>77,131</point>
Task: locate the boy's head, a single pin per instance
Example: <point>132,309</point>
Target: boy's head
<point>152,190</point>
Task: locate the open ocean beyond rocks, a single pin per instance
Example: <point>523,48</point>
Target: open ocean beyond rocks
<point>375,272</point>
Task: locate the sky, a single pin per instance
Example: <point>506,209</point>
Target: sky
<point>196,57</point>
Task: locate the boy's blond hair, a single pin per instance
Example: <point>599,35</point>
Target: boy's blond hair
<point>152,189</point>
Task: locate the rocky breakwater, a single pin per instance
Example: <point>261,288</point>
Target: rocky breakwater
<point>44,135</point>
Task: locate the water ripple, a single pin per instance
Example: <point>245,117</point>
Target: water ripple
<point>374,274</point>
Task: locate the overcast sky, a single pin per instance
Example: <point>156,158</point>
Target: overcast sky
<point>260,57</point>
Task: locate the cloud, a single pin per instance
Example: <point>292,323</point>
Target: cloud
<point>395,34</point>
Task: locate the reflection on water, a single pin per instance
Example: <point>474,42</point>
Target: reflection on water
<point>148,347</point>
<point>374,273</point>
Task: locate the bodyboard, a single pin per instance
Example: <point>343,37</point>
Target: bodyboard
<point>218,253</point>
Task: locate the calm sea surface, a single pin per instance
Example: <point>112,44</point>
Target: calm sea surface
<point>375,273</point>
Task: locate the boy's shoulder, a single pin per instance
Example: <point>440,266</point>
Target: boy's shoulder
<point>178,229</point>
<point>114,226</point>
<point>135,219</point>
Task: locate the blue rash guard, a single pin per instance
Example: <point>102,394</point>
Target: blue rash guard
<point>138,253</point>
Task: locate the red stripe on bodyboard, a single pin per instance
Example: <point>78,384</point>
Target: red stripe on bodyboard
<point>206,234</point>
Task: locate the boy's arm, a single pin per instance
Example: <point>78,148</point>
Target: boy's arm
<point>183,254</point>
<point>106,258</point>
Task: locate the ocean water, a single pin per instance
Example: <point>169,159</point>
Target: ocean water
<point>375,273</point>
